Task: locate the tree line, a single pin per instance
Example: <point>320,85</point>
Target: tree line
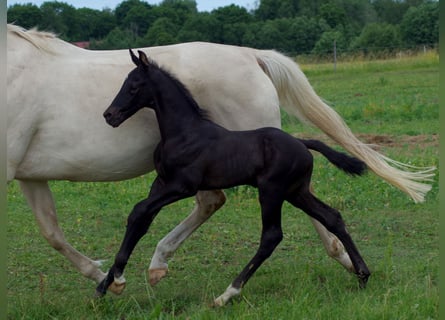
<point>292,26</point>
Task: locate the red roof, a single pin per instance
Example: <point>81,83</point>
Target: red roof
<point>82,44</point>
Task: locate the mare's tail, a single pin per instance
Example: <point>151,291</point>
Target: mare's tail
<point>299,98</point>
<point>341,160</point>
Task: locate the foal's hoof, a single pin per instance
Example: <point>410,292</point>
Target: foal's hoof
<point>363,279</point>
<point>155,275</point>
<point>117,288</point>
<point>98,294</point>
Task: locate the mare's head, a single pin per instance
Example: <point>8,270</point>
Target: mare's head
<point>136,92</point>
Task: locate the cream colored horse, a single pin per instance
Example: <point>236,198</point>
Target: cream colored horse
<point>58,92</point>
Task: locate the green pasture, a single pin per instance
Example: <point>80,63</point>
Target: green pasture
<point>392,103</point>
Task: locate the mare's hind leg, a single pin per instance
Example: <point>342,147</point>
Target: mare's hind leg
<point>332,220</point>
<point>271,236</point>
<point>40,199</point>
<point>332,244</point>
<point>207,202</point>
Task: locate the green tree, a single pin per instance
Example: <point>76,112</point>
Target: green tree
<point>94,24</point>
<point>135,16</point>
<point>271,37</point>
<point>420,25</point>
<point>333,14</point>
<point>202,26</point>
<point>232,22</point>
<point>104,23</point>
<point>358,14</point>
<point>60,18</point>
<point>186,5</point>
<point>325,45</point>
<point>251,34</point>
<point>310,8</point>
<point>390,11</point>
<point>178,11</point>
<point>139,19</point>
<point>232,14</point>
<point>378,37</point>
<point>162,32</point>
<point>27,15</point>
<point>124,7</point>
<point>116,39</point>
<point>303,33</point>
<point>273,9</point>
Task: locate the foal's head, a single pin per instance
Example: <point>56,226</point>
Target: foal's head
<point>136,92</point>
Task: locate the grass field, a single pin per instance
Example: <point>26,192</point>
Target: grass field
<point>392,103</point>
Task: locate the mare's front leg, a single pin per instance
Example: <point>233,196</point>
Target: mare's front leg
<point>139,221</point>
<point>207,202</point>
<point>39,198</point>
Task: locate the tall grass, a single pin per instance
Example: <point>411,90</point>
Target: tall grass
<point>398,239</point>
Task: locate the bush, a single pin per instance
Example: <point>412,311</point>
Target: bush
<point>326,43</point>
<point>420,25</point>
<point>377,37</point>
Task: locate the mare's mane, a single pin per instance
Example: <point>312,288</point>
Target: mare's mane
<point>42,40</point>
<point>181,87</point>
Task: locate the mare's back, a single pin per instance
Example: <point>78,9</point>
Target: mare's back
<point>64,93</point>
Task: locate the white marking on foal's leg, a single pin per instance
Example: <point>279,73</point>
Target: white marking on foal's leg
<point>207,202</point>
<point>226,296</point>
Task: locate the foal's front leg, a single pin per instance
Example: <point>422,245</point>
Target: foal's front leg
<point>138,223</point>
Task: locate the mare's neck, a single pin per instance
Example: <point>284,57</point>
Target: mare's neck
<point>175,111</point>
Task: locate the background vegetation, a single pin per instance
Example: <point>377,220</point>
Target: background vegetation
<point>292,26</point>
<point>392,103</point>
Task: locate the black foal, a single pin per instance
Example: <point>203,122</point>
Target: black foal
<point>197,154</point>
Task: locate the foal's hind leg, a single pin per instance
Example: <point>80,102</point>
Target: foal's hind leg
<point>207,202</point>
<point>332,220</point>
<point>271,236</point>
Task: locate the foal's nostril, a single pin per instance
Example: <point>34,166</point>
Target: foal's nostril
<point>107,115</point>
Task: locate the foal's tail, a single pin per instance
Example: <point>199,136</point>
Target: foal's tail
<point>341,160</point>
<point>299,98</point>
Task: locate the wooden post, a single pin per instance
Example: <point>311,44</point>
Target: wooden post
<point>335,55</point>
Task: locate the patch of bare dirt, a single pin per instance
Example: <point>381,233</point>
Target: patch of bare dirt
<point>378,140</point>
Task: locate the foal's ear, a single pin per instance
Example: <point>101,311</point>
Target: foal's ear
<point>135,59</point>
<point>143,58</point>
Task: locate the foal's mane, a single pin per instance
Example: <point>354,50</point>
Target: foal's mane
<point>182,88</point>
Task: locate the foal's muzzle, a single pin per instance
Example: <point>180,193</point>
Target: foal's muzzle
<point>112,117</point>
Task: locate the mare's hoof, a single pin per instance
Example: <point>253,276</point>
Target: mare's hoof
<point>218,303</point>
<point>155,275</point>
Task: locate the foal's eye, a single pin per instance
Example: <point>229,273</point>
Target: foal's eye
<point>134,90</point>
